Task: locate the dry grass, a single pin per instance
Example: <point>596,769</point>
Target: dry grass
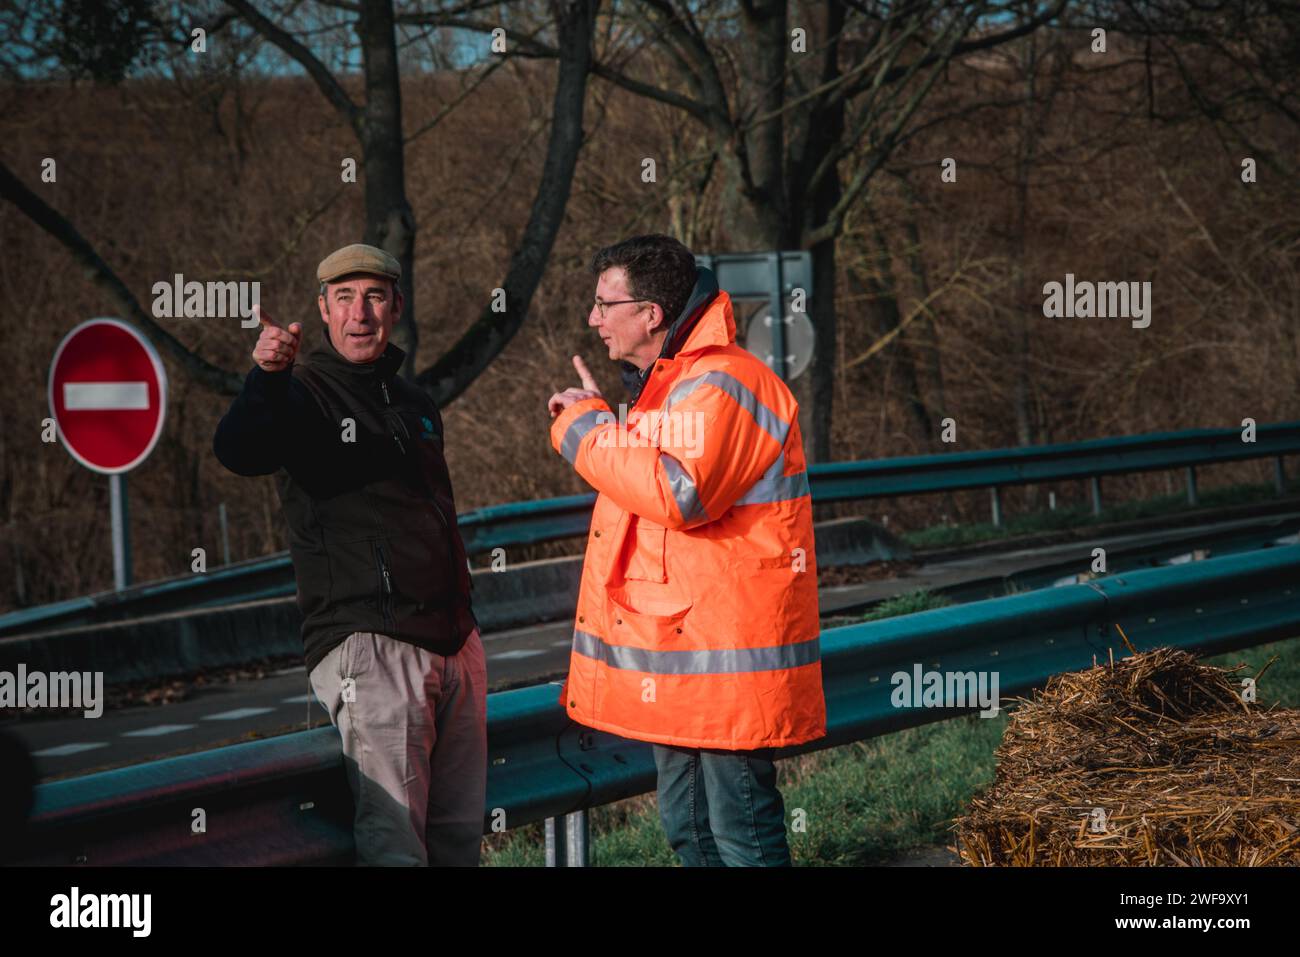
<point>1153,761</point>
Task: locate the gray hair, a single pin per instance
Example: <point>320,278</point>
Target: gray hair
<point>396,291</point>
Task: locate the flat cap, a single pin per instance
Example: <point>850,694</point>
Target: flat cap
<point>358,258</point>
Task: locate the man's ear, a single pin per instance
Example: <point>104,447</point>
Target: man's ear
<point>323,305</point>
<point>658,321</point>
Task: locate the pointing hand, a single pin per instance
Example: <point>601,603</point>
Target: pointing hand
<point>275,347</point>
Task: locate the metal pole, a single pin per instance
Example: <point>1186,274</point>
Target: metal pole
<point>995,497</point>
<point>120,522</point>
<point>578,839</point>
<point>568,840</point>
<point>1191,485</point>
<point>777,297</point>
<point>225,535</point>
<point>1279,475</point>
<point>1096,495</point>
<point>554,843</point>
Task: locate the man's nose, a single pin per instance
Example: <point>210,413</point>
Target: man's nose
<point>593,317</point>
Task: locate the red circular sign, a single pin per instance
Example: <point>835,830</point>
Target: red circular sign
<point>108,393</point>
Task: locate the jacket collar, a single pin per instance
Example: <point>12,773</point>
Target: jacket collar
<point>705,321</point>
<point>325,357</point>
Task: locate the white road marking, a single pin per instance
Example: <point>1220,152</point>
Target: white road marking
<point>301,699</point>
<point>64,750</point>
<point>236,714</point>
<point>157,730</point>
<point>518,653</point>
<point>105,395</point>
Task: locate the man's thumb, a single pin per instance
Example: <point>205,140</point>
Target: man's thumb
<point>295,328</point>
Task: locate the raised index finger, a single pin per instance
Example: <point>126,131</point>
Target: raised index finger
<point>585,374</point>
<point>266,321</point>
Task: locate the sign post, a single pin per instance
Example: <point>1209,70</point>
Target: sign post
<point>120,522</point>
<point>108,396</point>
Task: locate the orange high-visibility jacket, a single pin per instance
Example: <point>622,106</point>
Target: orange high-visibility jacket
<point>697,617</point>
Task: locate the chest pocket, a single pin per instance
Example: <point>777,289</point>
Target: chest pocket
<point>643,555</point>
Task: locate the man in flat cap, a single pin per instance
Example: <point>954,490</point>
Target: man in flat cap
<point>391,643</point>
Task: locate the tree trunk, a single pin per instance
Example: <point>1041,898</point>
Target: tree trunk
<point>390,221</point>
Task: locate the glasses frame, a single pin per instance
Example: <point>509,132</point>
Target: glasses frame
<point>604,306</point>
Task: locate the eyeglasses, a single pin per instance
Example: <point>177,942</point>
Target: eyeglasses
<point>602,306</point>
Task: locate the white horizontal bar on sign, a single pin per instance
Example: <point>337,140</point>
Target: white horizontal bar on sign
<point>105,395</point>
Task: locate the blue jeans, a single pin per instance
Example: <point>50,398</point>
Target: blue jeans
<point>721,808</point>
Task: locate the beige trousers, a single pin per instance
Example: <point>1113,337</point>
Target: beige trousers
<point>414,732</point>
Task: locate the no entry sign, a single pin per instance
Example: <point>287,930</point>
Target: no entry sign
<point>108,393</point>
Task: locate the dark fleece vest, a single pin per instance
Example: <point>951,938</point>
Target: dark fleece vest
<point>372,521</point>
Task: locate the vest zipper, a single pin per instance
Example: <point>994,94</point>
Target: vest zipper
<point>446,525</point>
<point>386,602</point>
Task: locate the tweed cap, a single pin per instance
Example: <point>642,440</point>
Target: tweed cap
<point>358,258</point>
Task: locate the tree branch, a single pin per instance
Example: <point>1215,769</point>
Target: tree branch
<point>329,86</point>
<point>95,269</point>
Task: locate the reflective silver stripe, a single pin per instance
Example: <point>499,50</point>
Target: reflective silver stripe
<point>684,492</point>
<point>775,487</point>
<point>708,662</point>
<point>768,421</point>
<point>580,427</point>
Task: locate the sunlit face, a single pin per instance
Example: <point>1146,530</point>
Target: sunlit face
<point>360,312</point>
<point>632,331</point>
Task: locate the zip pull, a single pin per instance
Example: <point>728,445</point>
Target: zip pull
<point>384,385</point>
<point>388,584</point>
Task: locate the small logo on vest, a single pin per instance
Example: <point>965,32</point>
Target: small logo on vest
<point>427,424</point>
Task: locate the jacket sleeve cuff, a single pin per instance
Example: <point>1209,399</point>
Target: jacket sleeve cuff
<point>572,425</point>
<point>269,387</point>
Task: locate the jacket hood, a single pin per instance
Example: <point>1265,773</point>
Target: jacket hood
<point>702,296</point>
<point>326,357</point>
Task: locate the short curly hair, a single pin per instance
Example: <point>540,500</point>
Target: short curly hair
<point>659,268</point>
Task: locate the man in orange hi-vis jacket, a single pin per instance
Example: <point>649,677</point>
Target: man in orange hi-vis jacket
<point>697,624</point>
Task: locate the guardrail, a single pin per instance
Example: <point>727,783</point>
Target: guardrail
<point>526,523</point>
<point>285,800</point>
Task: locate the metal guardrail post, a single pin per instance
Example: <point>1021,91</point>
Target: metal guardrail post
<point>568,840</point>
<point>995,499</point>
<point>578,839</point>
<point>554,843</point>
<point>1096,495</point>
<point>1191,485</point>
<point>1279,475</point>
